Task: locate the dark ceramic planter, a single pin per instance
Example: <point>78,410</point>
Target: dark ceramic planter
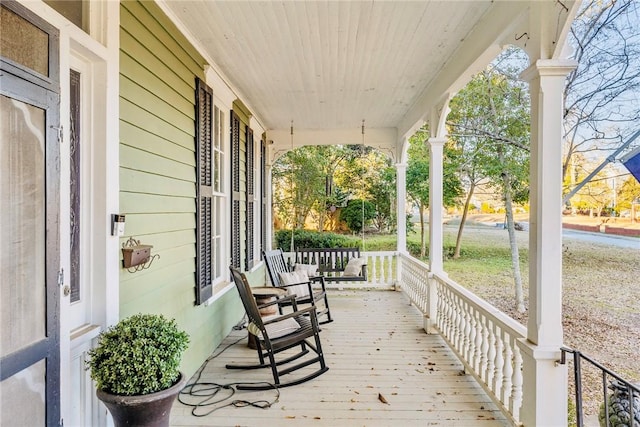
<point>149,410</point>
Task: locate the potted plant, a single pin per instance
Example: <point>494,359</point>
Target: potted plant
<point>136,367</point>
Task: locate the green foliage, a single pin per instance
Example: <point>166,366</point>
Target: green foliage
<point>312,239</point>
<point>309,180</point>
<point>139,355</point>
<point>489,122</point>
<point>353,214</point>
<point>382,189</point>
<point>418,171</point>
<point>628,192</point>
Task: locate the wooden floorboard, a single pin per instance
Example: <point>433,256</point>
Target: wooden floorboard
<point>377,352</point>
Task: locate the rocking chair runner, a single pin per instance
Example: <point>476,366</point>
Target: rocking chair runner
<point>280,333</point>
<point>305,294</point>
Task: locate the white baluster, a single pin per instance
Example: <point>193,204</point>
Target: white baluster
<point>496,385</point>
<point>491,355</point>
<point>459,324</point>
<point>484,352</point>
<point>507,378</point>
<point>516,399</point>
<point>466,331</point>
<point>477,355</point>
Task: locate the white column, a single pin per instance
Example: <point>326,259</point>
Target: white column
<point>268,185</point>
<point>401,209</point>
<point>545,382</point>
<point>436,146</point>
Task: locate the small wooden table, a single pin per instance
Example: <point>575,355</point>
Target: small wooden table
<point>263,295</point>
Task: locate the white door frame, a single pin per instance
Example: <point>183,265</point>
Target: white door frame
<point>96,55</point>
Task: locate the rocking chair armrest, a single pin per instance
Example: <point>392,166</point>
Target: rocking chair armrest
<point>318,279</point>
<point>308,283</point>
<point>295,284</point>
<point>311,310</point>
<point>277,300</point>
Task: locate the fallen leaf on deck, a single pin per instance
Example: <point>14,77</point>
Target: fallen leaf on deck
<point>382,399</point>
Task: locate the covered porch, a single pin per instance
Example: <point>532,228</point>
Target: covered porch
<point>377,352</point>
<point>387,362</point>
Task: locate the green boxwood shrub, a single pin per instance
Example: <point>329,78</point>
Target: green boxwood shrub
<point>313,239</point>
<point>139,355</point>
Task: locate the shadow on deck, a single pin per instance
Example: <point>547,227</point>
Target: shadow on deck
<point>376,351</point>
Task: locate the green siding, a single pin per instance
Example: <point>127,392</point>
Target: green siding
<point>158,68</point>
<point>142,182</point>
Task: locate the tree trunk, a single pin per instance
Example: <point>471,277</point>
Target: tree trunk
<point>515,255</point>
<point>463,220</point>
<point>322,218</point>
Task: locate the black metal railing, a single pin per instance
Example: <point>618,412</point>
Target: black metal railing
<point>610,381</point>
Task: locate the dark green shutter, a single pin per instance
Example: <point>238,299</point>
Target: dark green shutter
<point>204,192</point>
<point>250,201</point>
<point>235,179</point>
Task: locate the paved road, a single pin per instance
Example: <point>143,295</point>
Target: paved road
<point>607,239</point>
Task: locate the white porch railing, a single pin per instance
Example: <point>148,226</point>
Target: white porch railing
<point>483,337</point>
<point>381,271</point>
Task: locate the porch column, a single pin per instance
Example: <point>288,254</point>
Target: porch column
<point>401,209</point>
<point>545,382</point>
<point>436,146</point>
<point>268,222</point>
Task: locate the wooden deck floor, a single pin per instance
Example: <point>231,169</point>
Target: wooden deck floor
<point>375,347</point>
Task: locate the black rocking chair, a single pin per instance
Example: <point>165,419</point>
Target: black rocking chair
<point>276,265</point>
<point>276,334</point>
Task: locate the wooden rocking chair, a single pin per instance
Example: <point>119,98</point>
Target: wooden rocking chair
<point>303,288</point>
<point>275,334</point>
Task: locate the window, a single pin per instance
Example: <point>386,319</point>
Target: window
<point>218,197</point>
<point>74,185</point>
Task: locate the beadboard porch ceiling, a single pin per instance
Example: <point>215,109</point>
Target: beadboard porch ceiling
<point>328,65</point>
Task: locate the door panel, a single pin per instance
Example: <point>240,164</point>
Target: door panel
<point>22,257</point>
<point>29,226</point>
<point>23,397</point>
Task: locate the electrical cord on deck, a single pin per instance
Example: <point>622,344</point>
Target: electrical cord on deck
<point>207,392</point>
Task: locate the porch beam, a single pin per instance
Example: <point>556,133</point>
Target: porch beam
<point>477,50</point>
<point>545,382</point>
<point>383,139</point>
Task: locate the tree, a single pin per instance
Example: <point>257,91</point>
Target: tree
<point>300,183</point>
<point>601,103</point>
<point>628,193</point>
<point>382,190</point>
<point>418,178</point>
<point>357,213</point>
<point>489,121</point>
